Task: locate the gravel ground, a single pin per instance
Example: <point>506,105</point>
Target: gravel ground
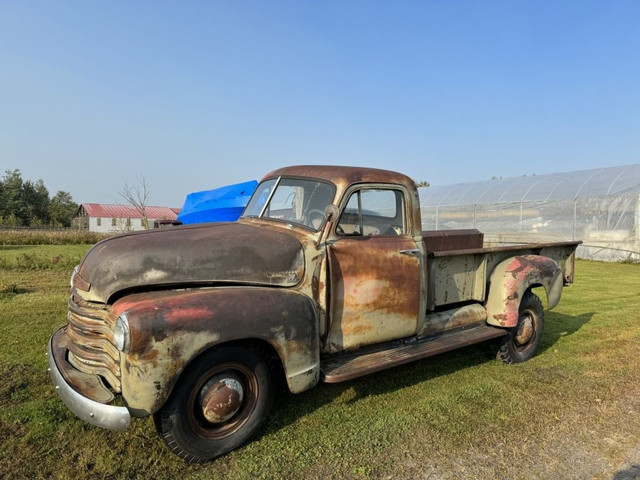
<point>601,441</point>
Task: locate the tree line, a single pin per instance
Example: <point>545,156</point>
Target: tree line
<point>24,203</point>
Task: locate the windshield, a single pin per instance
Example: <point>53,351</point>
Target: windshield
<point>291,200</point>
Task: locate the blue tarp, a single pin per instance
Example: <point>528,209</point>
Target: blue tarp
<point>224,204</point>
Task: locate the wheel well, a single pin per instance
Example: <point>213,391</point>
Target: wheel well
<point>262,348</point>
<point>543,297</point>
<point>512,278</point>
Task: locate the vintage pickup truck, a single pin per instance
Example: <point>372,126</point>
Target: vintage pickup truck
<point>327,276</point>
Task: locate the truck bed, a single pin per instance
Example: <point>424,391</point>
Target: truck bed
<point>467,263</point>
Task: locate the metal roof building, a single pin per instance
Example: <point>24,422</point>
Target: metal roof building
<point>103,218</point>
<point>601,207</point>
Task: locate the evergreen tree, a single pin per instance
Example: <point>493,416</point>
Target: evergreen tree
<point>12,202</point>
<point>36,200</point>
<point>27,203</point>
<point>62,209</point>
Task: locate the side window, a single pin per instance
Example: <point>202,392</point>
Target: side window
<point>350,223</point>
<point>373,212</point>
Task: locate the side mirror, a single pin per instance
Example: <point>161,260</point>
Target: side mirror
<point>331,213</point>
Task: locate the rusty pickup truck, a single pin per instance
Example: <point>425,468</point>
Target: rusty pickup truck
<point>327,276</point>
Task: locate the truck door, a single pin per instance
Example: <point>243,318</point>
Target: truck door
<point>374,270</point>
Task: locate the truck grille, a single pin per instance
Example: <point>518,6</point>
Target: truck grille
<point>92,349</point>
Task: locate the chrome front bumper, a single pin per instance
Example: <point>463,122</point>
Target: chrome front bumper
<point>106,416</point>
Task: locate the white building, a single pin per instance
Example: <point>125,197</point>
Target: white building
<point>102,218</point>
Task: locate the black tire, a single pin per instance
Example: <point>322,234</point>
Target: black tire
<point>182,422</point>
<point>523,340</point>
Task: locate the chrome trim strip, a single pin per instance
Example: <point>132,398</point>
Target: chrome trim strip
<point>414,252</point>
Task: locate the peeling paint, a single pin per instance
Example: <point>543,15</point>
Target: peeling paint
<point>153,275</point>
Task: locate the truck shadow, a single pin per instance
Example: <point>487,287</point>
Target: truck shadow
<point>558,325</point>
<point>289,408</point>
<point>632,473</point>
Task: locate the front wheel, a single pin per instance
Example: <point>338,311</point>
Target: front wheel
<point>522,342</point>
<point>218,404</point>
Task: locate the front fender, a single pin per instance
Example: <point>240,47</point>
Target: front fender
<point>512,278</point>
<point>169,329</point>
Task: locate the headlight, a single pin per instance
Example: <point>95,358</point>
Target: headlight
<point>121,333</point>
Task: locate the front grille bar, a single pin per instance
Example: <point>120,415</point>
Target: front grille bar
<point>91,347</point>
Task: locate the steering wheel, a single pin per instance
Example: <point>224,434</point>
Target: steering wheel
<point>311,216</point>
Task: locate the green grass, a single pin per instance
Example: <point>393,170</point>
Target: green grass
<point>41,257</point>
<point>458,415</point>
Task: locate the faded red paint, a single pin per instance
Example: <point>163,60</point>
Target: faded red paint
<point>535,269</point>
<point>157,320</point>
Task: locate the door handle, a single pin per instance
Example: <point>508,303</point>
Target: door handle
<point>414,252</point>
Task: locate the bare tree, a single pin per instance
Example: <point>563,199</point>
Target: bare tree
<point>137,196</point>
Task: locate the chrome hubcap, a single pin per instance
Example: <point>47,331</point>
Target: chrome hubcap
<point>221,398</point>
<point>525,331</point>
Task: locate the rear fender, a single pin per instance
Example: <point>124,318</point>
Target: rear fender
<point>512,278</point>
<point>169,329</point>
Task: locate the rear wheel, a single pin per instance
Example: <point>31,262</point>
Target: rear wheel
<point>218,404</point>
<point>522,342</point>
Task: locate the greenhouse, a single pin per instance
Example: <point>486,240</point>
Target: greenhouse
<point>601,207</point>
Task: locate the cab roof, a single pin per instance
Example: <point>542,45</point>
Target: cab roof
<point>343,176</point>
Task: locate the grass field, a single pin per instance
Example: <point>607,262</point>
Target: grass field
<point>29,236</point>
<point>573,411</point>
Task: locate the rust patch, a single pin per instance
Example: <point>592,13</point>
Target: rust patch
<point>454,318</point>
<point>88,385</point>
<point>222,400</point>
<point>170,328</point>
<point>501,318</point>
<point>357,329</point>
<point>447,240</point>
<point>375,291</point>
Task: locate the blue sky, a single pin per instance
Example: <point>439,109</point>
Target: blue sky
<point>196,95</point>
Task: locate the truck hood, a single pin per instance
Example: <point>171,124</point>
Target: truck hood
<point>227,253</point>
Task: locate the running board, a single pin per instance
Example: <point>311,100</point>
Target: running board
<point>343,367</point>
